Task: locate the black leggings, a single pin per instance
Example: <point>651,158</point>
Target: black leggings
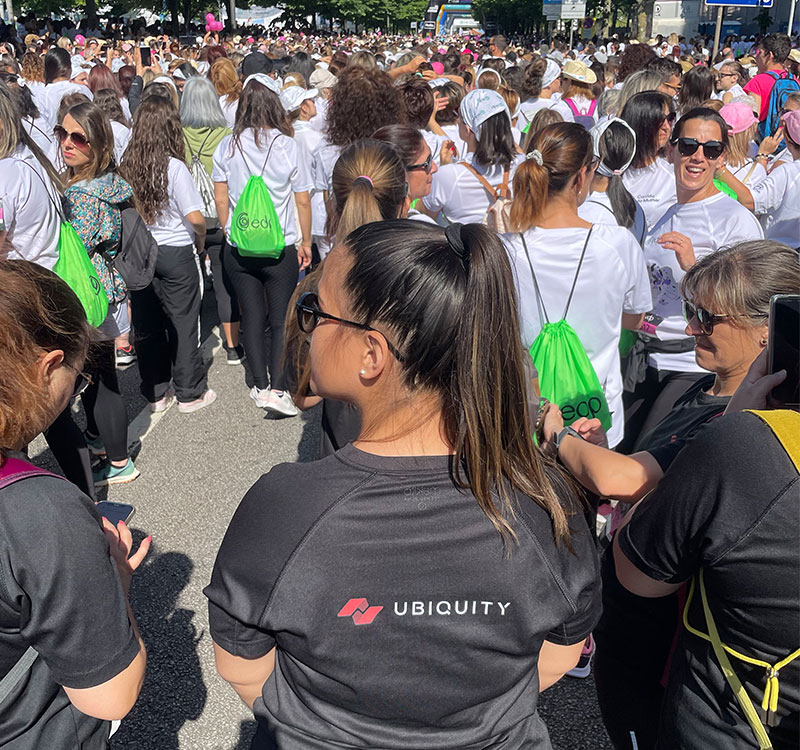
<point>68,446</point>
<point>227,302</point>
<point>106,414</point>
<point>259,283</point>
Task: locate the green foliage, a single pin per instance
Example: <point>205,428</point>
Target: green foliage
<point>511,15</point>
<point>764,20</point>
<point>362,12</point>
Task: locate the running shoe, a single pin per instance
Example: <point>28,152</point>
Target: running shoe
<point>125,356</point>
<point>164,403</point>
<point>187,407</point>
<point>110,474</point>
<point>95,444</point>
<point>584,666</point>
<point>280,402</point>
<point>235,355</point>
<point>261,396</point>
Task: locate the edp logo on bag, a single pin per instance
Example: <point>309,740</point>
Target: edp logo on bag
<point>244,222</point>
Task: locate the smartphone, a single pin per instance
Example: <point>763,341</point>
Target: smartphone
<point>784,346</point>
<point>115,512</point>
<point>145,56</point>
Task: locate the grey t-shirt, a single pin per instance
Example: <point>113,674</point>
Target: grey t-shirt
<point>60,593</point>
<point>398,619</point>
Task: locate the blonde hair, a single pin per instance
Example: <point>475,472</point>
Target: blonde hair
<point>294,79</point>
<point>738,281</point>
<point>540,120</point>
<point>738,152</point>
<point>226,82</point>
<point>576,88</point>
<point>510,97</point>
<point>369,184</point>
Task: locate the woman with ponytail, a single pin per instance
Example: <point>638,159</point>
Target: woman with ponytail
<point>555,252</point>
<point>609,201</point>
<point>436,512</point>
<point>542,83</point>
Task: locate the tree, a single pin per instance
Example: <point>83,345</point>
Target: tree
<point>764,20</point>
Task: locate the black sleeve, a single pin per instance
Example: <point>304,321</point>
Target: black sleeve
<point>135,94</point>
<point>668,535</point>
<point>580,583</point>
<point>666,453</point>
<point>58,570</point>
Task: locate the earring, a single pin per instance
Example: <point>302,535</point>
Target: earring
<point>763,342</point>
<point>362,373</point>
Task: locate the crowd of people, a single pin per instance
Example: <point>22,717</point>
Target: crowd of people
<point>520,276</point>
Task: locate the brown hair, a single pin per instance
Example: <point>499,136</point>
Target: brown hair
<point>510,97</point>
<point>260,108</point>
<point>223,75</point>
<point>32,67</point>
<point>108,101</point>
<point>155,138</point>
<point>738,281</point>
<point>565,149</point>
<point>100,77</point>
<point>96,125</point>
<point>369,184</point>
<point>39,313</point>
<point>541,119</point>
<point>532,87</point>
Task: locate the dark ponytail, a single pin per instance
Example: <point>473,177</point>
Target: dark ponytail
<point>617,146</point>
<point>496,142</point>
<point>438,292</point>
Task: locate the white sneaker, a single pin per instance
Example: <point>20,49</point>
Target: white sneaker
<point>187,407</point>
<point>281,404</point>
<point>260,396</point>
<point>163,403</point>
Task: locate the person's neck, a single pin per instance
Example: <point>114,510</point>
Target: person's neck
<point>562,211</point>
<point>599,183</point>
<point>693,196</point>
<point>775,68</point>
<point>413,428</point>
<point>726,383</point>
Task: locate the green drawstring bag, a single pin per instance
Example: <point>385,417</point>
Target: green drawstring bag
<point>566,375</point>
<point>76,268</point>
<point>255,228</point>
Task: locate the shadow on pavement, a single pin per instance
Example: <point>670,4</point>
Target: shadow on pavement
<point>174,691</point>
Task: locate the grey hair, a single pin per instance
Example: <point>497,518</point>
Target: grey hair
<point>636,83</point>
<point>200,106</point>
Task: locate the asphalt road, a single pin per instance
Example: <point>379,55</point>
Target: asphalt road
<point>195,469</point>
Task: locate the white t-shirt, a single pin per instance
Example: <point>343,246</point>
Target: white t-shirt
<point>42,134</point>
<point>597,209</point>
<point>434,142</point>
<point>229,110</point>
<point>122,137</point>
<point>322,163</point>
<point>452,134</point>
<point>529,108</point>
<point>320,120</point>
<point>458,194</point>
<point>309,141</point>
<point>752,170</point>
<point>54,93</point>
<point>583,105</point>
<point>735,90</point>
<point>285,172</point>
<point>171,227</point>
<point>711,224</point>
<point>613,279</point>
<point>777,203</point>
<point>29,209</point>
<point>653,188</point>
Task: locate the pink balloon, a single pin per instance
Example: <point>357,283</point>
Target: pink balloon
<point>209,18</point>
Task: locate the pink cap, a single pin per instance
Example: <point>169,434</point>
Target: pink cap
<point>438,68</point>
<point>739,116</point>
<point>80,39</point>
<point>791,121</point>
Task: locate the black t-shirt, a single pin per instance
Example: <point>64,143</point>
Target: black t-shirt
<point>691,411</point>
<point>60,593</point>
<point>730,504</point>
<point>398,619</point>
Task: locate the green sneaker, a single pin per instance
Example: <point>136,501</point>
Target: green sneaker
<point>95,444</point>
<point>110,474</point>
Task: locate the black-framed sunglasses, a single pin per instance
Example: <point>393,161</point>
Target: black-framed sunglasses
<point>706,319</point>
<point>670,117</point>
<point>82,380</point>
<point>427,165</point>
<point>309,315</point>
<point>711,149</point>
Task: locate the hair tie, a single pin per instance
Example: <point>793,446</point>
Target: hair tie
<point>367,178</point>
<point>536,155</point>
<point>456,242</point>
<point>617,172</point>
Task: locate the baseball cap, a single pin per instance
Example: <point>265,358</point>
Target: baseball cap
<point>293,97</point>
<point>322,79</point>
<point>738,116</point>
<point>256,62</point>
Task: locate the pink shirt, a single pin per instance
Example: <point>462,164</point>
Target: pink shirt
<point>761,85</point>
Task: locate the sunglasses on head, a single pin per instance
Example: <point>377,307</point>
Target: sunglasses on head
<point>309,316</point>
<point>711,149</point>
<point>79,140</point>
<point>706,319</point>
<point>427,165</point>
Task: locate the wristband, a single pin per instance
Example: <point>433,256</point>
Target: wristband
<point>564,434</point>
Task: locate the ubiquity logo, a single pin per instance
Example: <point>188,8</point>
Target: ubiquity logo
<point>360,611</point>
<point>363,613</point>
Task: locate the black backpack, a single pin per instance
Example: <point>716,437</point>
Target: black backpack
<point>136,252</point>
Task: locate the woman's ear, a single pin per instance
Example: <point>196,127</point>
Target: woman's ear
<point>49,363</point>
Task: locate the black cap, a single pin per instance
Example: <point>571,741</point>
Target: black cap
<point>256,62</point>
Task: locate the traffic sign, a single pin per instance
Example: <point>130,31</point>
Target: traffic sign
<point>573,9</point>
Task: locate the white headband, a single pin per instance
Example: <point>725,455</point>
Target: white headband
<point>264,80</point>
<point>597,133</point>
<point>551,73</point>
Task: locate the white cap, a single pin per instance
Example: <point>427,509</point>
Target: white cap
<point>293,97</point>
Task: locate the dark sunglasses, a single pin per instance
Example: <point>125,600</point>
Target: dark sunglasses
<point>79,140</point>
<point>309,316</point>
<point>670,117</point>
<point>711,149</point>
<point>706,320</point>
<point>427,165</point>
<point>82,380</point>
